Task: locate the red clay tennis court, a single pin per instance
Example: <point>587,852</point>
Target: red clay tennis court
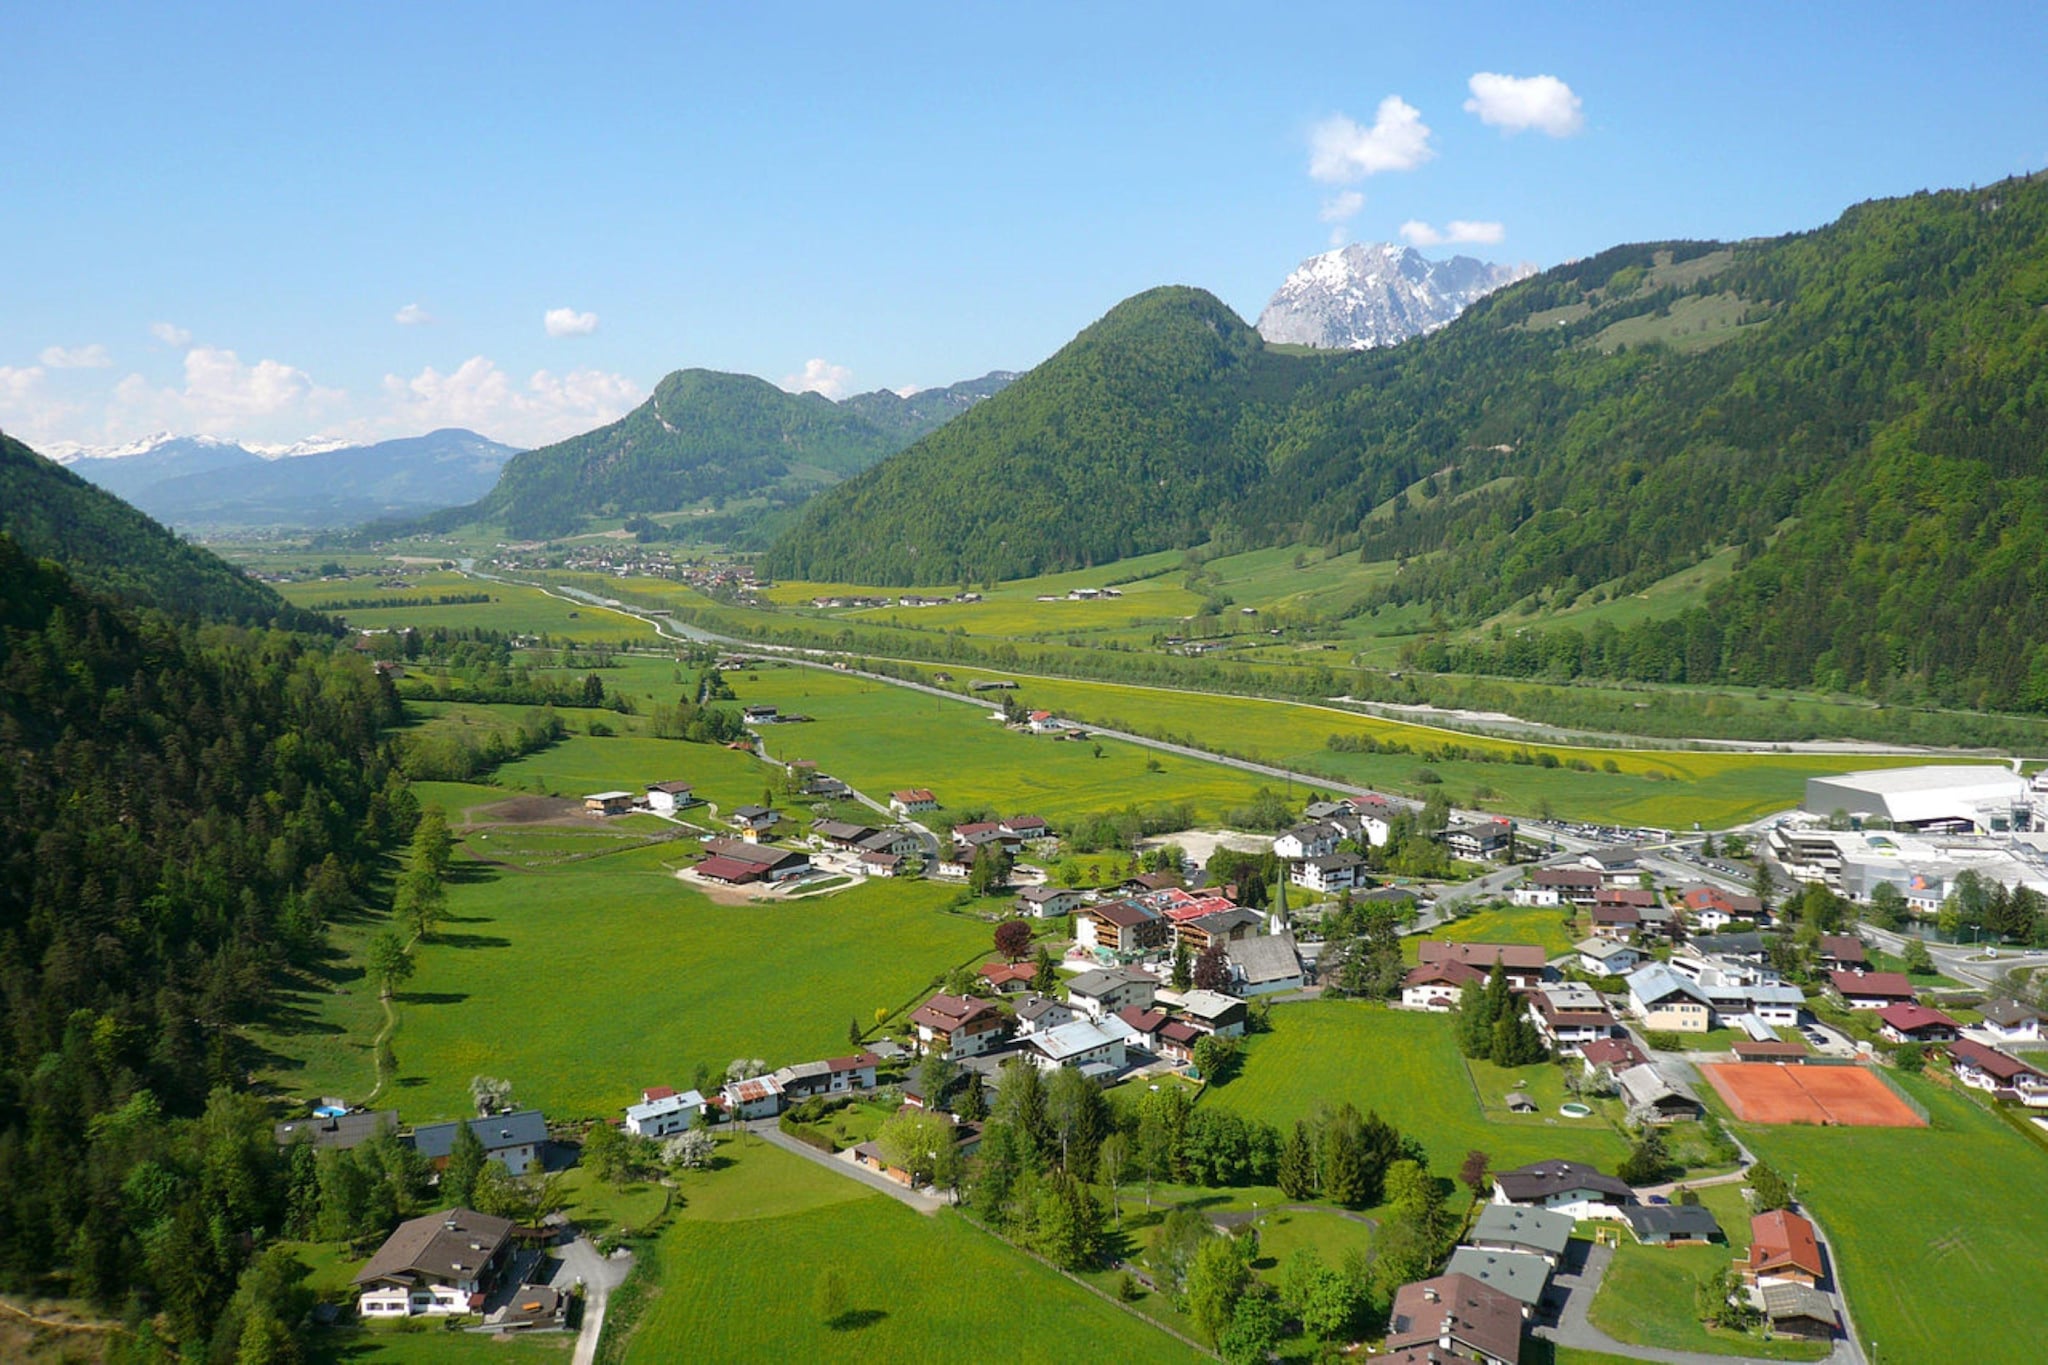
<point>1770,1092</point>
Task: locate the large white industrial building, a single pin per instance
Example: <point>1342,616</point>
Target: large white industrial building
<point>1955,798</point>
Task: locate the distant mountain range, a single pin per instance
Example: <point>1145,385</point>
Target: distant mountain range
<point>735,450</point>
<point>202,483</point>
<point>1375,294</point>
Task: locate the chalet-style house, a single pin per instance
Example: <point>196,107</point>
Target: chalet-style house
<point>1123,928</point>
<point>1655,1095</point>
<point>1667,1002</point>
<point>1566,1187</point>
<point>1044,902</point>
<point>1039,1013</point>
<point>608,803</point>
<point>1523,963</point>
<point>1607,956</point>
<point>1330,873</point>
<point>1564,885</point>
<point>2009,1021</point>
<point>1438,985</point>
<point>1517,1274</point>
<point>1137,1026</point>
<point>1569,1015</point>
<point>1843,953</point>
<point>1083,1044</point>
<point>913,800</point>
<point>439,1263</point>
<point>1007,978</point>
<point>1615,1054</point>
<point>1480,839</point>
<point>1458,1315</point>
<point>1870,990</point>
<point>1212,1012</point>
<point>1307,841</point>
<point>958,1026</point>
<point>754,819</point>
<point>1217,928</point>
<point>1916,1023</point>
<point>1100,994</point>
<point>2000,1073</point>
<point>1782,1250</point>
<point>666,798</point>
<point>1660,1225</point>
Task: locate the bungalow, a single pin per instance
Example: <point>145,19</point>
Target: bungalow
<point>1870,990</point>
<point>608,803</point>
<point>1476,839</point>
<point>1007,978</point>
<point>2009,1021</point>
<point>337,1131</point>
<point>868,1155</point>
<point>1138,1027</point>
<point>1099,994</point>
<point>758,715</point>
<point>1663,1225</point>
<point>1782,1250</point>
<point>1843,953</point>
<point>1616,1054</point>
<point>1989,1069</point>
<point>1307,841</point>
<point>1528,894</point>
<point>663,1115</point>
<point>1525,964</point>
<point>1438,985</point>
<point>1125,928</point>
<point>1656,1096</point>
<point>756,1097</point>
<point>1524,1231</point>
<point>1080,1044</point>
<point>958,1026</point>
<point>754,819</point>
<point>1458,1316</point>
<point>911,800</point>
<point>1573,885</point>
<point>1668,1002</point>
<point>1217,928</point>
<point>666,798</point>
<point>1915,1023</point>
<point>1331,872</point>
<point>1041,1013</point>
<point>1566,1187</point>
<point>438,1263</point>
<point>833,1076</point>
<point>1047,902</point>
<point>1265,965</point>
<point>1213,1013</point>
<point>1796,1310</point>
<point>1177,1039</point>
<point>1570,1015</point>
<point>1520,1276</point>
<point>1607,957</point>
<point>515,1141</point>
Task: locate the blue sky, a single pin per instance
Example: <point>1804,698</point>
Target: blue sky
<point>215,220</point>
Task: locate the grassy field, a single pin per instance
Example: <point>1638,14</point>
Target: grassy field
<point>1667,788</point>
<point>879,738</point>
<point>1646,1297</point>
<point>1544,926</point>
<point>513,608</point>
<point>1938,1229</point>
<point>752,1242</point>
<point>1405,1065</point>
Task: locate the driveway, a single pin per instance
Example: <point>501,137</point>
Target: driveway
<point>843,1163</point>
<point>600,1276</point>
<point>1579,1280</point>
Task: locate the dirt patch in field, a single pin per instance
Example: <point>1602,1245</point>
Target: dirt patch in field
<point>528,810</point>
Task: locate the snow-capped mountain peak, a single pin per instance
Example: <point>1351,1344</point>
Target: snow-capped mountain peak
<point>1375,294</point>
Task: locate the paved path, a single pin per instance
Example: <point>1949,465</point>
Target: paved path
<point>766,1130</point>
<point>1573,1329</point>
<point>600,1276</point>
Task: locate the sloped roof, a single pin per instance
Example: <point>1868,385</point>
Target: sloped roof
<point>1271,957</point>
<point>521,1128</point>
<point>437,1248</point>
<point>1520,1226</point>
<point>1782,1240</point>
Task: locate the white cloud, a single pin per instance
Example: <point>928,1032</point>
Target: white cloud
<point>17,386</point>
<point>478,394</point>
<point>1513,103</point>
<point>1338,207</point>
<point>93,357</point>
<point>567,322</point>
<point>1417,233</point>
<point>819,376</point>
<point>1341,150</point>
<point>222,395</point>
<point>170,333</point>
<point>412,315</point>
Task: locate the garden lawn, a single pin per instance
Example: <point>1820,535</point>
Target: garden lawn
<point>1939,1230</point>
<point>586,981</point>
<point>1646,1297</point>
<point>752,1242</point>
<point>433,1344</point>
<point>1406,1065</point>
<point>881,737</point>
<point>1544,926</point>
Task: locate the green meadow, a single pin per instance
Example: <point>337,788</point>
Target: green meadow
<point>514,608</point>
<point>751,1244</point>
<point>1938,1230</point>
<point>1406,1065</point>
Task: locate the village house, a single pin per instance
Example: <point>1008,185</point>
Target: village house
<point>1330,873</point>
<point>1082,1044</point>
<point>913,800</point>
<point>1614,1055</point>
<point>1265,965</point>
<point>1480,839</point>
<point>1307,841</point>
<point>1566,1187</point>
<point>666,798</point>
<point>1607,957</point>
<point>1524,964</point>
<point>753,819</point>
<point>1797,1311</point>
<point>1570,1015</point>
<point>1375,816</point>
<point>2008,1021</point>
<point>1531,896</point>
<point>1663,1225</point>
<point>1007,978</point>
<point>875,864</point>
<point>977,834</point>
<point>1046,902</point>
<point>1524,1231</point>
<point>1099,994</point>
<point>1123,927</point>
<point>958,1026</point>
<point>663,1113</point>
<point>1742,946</point>
<point>1177,1039</point>
<point>1710,908</point>
<point>1217,927</point>
<point>1458,1315</point>
<point>1782,1250</point>
<point>758,715</point>
<point>1027,827</point>
<point>1667,1002</point>
<point>337,1131</point>
<point>2000,1073</point>
<point>1655,1095</point>
<point>1572,885</point>
<point>515,1141</point>
<point>1843,953</point>
<point>1870,990</point>
<point>1213,1013</point>
<point>1138,1027</point>
<point>1520,1276</point>
<point>1615,922</point>
<point>756,1097</point>
<point>608,803</point>
<point>1043,723</point>
<point>1916,1023</point>
<point>1039,1013</point>
<point>842,835</point>
<point>440,1263</point>
<point>833,1076</point>
<point>1615,865</point>
<point>1438,985</point>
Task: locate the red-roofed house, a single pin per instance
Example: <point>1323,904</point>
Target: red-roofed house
<point>1918,1024</point>
<point>1986,1068</point>
<point>1177,1041</point>
<point>913,799</point>
<point>1008,978</point>
<point>1616,1054</point>
<point>1870,990</point>
<point>1782,1250</point>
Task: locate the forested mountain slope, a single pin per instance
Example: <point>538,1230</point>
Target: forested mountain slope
<point>112,548</point>
<point>1862,409</point>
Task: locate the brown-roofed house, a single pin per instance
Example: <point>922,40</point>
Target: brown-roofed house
<point>1842,953</point>
<point>1453,1312</point>
<point>958,1025</point>
<point>441,1263</point>
<point>1782,1247</point>
<point>1438,985</point>
<point>1524,963</point>
<point>1916,1023</point>
<point>1870,990</point>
